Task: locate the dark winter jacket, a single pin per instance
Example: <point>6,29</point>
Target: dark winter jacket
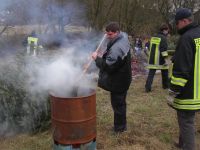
<point>185,78</point>
<point>158,52</point>
<point>115,65</point>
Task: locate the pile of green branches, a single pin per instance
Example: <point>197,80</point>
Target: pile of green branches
<point>20,109</point>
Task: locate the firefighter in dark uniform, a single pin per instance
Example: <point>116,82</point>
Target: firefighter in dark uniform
<point>157,58</point>
<point>184,91</point>
<point>32,44</point>
<point>115,72</point>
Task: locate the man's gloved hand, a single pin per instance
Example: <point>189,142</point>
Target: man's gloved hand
<point>167,62</point>
<point>171,96</point>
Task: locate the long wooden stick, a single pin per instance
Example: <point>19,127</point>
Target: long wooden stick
<point>75,91</point>
<point>90,61</point>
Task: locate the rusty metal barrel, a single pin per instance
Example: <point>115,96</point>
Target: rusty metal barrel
<point>73,119</point>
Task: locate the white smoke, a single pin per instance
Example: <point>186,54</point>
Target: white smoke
<point>27,81</point>
<point>61,75</point>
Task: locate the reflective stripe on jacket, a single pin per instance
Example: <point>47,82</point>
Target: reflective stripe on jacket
<point>34,41</point>
<point>158,51</point>
<point>186,70</point>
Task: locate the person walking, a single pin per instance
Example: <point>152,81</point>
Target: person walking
<point>157,58</point>
<point>115,72</point>
<point>184,88</point>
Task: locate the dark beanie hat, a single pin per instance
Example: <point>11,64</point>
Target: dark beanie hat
<point>164,27</point>
<point>182,13</point>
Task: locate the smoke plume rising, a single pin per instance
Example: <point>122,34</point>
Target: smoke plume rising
<point>26,81</point>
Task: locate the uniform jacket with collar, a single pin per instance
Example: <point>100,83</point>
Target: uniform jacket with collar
<point>158,52</point>
<point>185,78</point>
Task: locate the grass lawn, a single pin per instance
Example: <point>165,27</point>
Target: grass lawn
<point>152,125</point>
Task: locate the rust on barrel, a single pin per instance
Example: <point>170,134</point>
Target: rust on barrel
<point>73,118</point>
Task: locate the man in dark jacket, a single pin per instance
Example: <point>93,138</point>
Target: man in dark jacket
<point>157,58</point>
<point>185,81</point>
<point>115,72</point>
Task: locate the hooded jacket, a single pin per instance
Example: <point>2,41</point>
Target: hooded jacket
<point>185,78</point>
<point>115,65</point>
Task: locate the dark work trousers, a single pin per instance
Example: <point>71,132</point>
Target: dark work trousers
<point>165,79</point>
<point>118,102</point>
<point>186,129</point>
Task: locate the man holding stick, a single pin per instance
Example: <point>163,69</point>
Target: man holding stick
<point>115,72</point>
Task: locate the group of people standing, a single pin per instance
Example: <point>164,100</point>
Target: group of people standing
<point>183,85</point>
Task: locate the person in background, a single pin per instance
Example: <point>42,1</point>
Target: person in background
<point>157,58</point>
<point>184,91</point>
<point>115,72</point>
<point>147,45</point>
<point>32,44</point>
<point>138,45</point>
